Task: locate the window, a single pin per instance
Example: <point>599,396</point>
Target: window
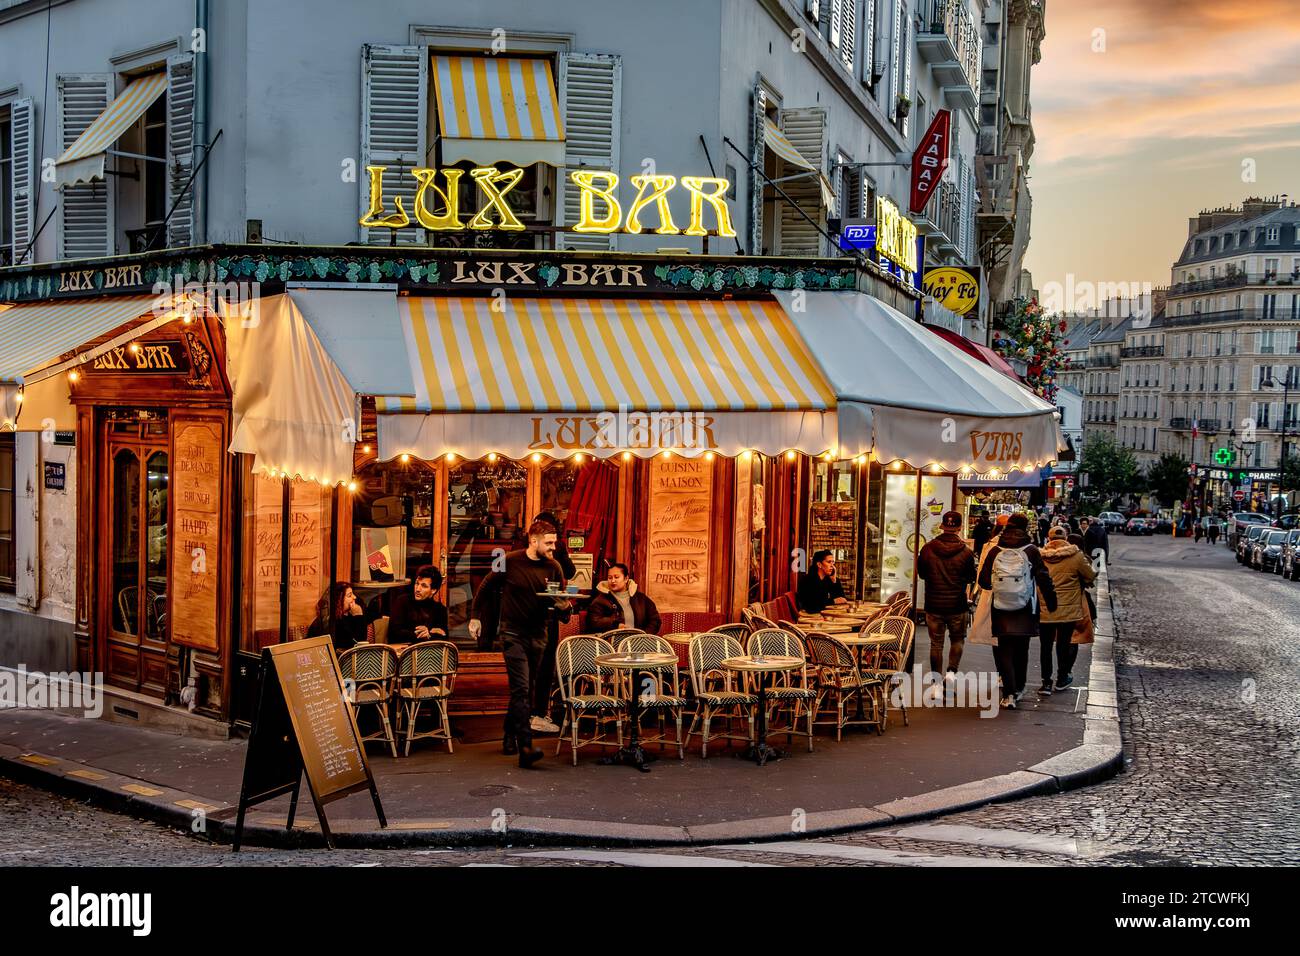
<point>1265,372</point>
<point>6,184</point>
<point>8,558</point>
<point>991,33</point>
<point>1270,268</point>
<point>1272,234</point>
<point>850,188</point>
<point>1264,341</point>
<point>1270,306</point>
<point>155,174</point>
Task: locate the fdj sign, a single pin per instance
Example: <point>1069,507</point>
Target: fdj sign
<point>437,207</point>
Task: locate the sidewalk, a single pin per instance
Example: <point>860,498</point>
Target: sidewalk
<point>947,759</point>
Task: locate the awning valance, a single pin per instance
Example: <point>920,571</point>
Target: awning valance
<point>775,140</point>
<point>904,393</point>
<point>593,355</point>
<point>498,109</point>
<point>83,161</point>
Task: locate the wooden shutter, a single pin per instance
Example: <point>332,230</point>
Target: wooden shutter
<point>806,131</point>
<point>849,33</point>
<point>180,149</point>
<point>85,210</point>
<point>837,22</point>
<point>869,40</point>
<point>25,176</point>
<point>591,93</point>
<point>394,104</point>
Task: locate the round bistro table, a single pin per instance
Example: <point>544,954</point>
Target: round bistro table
<point>634,754</point>
<point>760,667</point>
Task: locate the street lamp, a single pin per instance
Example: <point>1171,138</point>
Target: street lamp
<point>1238,447</point>
<point>1286,393</point>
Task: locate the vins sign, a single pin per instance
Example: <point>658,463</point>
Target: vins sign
<point>437,202</point>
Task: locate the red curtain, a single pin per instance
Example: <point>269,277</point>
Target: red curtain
<point>593,511</point>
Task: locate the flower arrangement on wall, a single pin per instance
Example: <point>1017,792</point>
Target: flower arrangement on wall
<point>1027,333</point>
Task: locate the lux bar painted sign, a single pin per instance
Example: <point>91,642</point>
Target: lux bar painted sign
<point>437,207</point>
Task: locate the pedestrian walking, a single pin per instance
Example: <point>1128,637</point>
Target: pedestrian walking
<point>1095,538</point>
<point>1197,531</point>
<point>1071,572</point>
<point>947,567</point>
<point>1014,571</point>
<point>981,531</point>
<point>518,590</point>
<point>541,720</point>
<point>1212,532</point>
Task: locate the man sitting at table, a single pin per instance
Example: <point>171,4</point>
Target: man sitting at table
<point>620,604</point>
<point>419,615</point>
<point>819,589</point>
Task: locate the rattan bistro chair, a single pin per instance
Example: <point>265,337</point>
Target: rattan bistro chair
<point>369,671</point>
<point>426,673</point>
<point>890,659</point>
<point>740,632</point>
<point>585,689</point>
<point>793,628</point>
<point>665,678</point>
<point>791,689</point>
<point>840,678</point>
<point>716,693</point>
<point>616,636</point>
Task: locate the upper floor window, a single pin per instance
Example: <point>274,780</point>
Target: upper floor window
<point>1271,235</point>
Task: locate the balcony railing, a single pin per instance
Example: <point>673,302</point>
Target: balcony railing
<point>1236,280</point>
<point>1142,351</point>
<point>950,42</point>
<point>1280,314</point>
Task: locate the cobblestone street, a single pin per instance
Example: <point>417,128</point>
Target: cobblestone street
<point>1208,674</point>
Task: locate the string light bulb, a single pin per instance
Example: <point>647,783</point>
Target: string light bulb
<point>451,458</point>
<point>537,457</point>
<point>406,459</point>
<point>492,456</point>
<point>627,456</point>
<point>73,375</point>
<point>577,459</point>
<point>352,486</point>
<point>365,449</point>
<point>789,456</point>
<point>708,456</point>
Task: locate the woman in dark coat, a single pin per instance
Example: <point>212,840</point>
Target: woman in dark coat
<point>1015,629</point>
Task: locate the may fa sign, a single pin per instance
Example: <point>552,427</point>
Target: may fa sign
<point>956,288</point>
<point>437,205</point>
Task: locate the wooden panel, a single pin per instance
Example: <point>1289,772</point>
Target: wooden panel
<point>481,684</point>
<point>153,674</point>
<point>122,665</point>
<point>199,449</point>
<point>740,543</point>
<point>679,532</point>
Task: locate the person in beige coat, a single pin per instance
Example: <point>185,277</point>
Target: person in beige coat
<point>1071,572</point>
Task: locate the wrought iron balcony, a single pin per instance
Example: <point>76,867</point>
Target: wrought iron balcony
<point>949,41</point>
<point>1142,351</point>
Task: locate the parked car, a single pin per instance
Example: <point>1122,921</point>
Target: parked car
<point>1290,559</point>
<point>1137,526</point>
<point>1163,526</point>
<point>1246,541</point>
<point>1240,521</point>
<point>1267,553</point>
<point>1113,520</point>
<point>1288,521</point>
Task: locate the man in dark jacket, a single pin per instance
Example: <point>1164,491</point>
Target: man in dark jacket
<point>419,615</point>
<point>620,604</point>
<point>946,566</point>
<point>1096,536</point>
<point>981,531</point>
<point>818,589</point>
<point>1014,628</point>
<point>541,720</point>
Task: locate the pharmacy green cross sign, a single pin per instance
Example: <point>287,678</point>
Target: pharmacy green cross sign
<point>1223,456</point>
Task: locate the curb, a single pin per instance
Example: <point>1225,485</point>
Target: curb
<point>1100,757</point>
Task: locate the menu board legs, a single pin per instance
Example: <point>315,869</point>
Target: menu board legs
<point>303,725</point>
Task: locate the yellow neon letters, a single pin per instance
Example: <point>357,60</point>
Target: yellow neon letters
<point>450,198</point>
<point>588,193</point>
<point>372,219</point>
<point>658,187</point>
<point>487,178</point>
<point>696,185</point>
<point>895,235</point>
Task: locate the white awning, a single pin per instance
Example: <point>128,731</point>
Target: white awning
<point>83,161</point>
<point>905,393</point>
<point>498,109</point>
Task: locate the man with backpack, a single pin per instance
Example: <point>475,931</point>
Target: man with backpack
<point>1014,570</point>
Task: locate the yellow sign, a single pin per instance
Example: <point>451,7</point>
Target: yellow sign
<point>953,287</point>
<point>895,235</point>
<point>437,208</point>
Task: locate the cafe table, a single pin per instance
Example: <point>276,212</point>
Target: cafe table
<point>634,754</point>
<point>760,667</point>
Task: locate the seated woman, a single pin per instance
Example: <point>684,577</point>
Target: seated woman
<point>620,604</point>
<point>349,619</point>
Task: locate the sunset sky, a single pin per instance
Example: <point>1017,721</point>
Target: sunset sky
<point>1134,140</point>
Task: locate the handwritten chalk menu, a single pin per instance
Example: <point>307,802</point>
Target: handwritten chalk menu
<point>677,552</point>
<point>196,529</point>
<point>304,725</point>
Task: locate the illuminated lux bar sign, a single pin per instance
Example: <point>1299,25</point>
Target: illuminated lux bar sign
<point>437,206</point>
<point>895,235</point>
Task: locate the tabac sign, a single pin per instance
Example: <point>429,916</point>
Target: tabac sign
<point>437,202</point>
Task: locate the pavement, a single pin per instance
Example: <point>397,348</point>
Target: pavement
<point>947,760</point>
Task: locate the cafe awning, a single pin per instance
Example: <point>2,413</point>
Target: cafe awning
<point>904,393</point>
<point>974,349</point>
<point>83,161</point>
<point>601,376</point>
<point>34,338</point>
<point>498,109</point>
<point>296,363</point>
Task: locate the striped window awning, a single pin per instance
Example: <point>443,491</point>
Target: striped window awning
<point>496,109</point>
<point>83,161</point>
<point>592,355</point>
<point>776,141</point>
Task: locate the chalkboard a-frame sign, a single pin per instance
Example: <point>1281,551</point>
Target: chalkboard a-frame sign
<point>303,725</point>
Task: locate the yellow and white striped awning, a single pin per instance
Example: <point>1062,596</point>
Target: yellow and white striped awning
<point>775,141</point>
<point>594,355</point>
<point>83,161</point>
<point>497,109</point>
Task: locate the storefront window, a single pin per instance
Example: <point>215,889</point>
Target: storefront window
<point>156,494</point>
<point>392,527</point>
<point>583,497</point>
<point>126,541</point>
<point>873,534</point>
<point>310,522</point>
<point>833,519</point>
<point>757,524</point>
<point>486,504</point>
<point>7,470</point>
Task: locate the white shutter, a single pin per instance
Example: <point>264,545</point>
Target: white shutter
<point>849,34</point>
<point>814,10</point>
<point>895,59</point>
<point>806,131</point>
<point>25,176</point>
<point>180,149</point>
<point>869,41</point>
<point>394,104</point>
<point>591,93</point>
<point>86,210</point>
<point>906,82</point>
<point>837,21</point>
